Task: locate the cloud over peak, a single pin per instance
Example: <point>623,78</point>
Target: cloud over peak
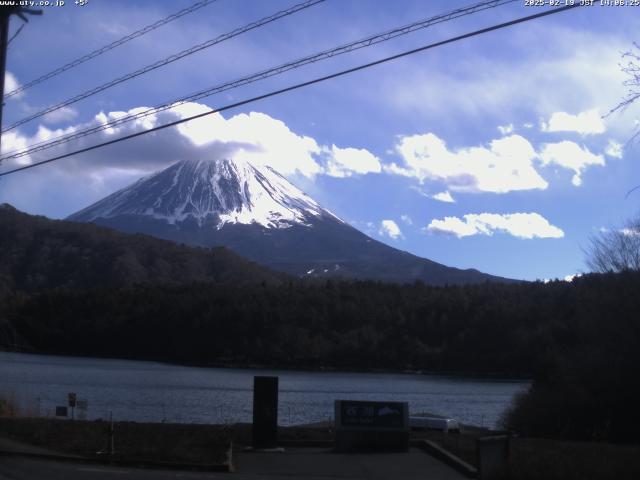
<point>253,136</point>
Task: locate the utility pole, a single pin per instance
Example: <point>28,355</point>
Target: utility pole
<point>5,13</point>
<point>4,38</point>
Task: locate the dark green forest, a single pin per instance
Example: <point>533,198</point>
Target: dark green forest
<point>73,289</point>
<point>578,341</point>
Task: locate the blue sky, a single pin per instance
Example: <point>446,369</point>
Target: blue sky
<point>488,153</point>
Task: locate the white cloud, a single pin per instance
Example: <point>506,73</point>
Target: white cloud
<point>567,79</point>
<point>570,278</point>
<point>344,162</point>
<point>11,141</point>
<point>256,137</point>
<point>520,225</point>
<point>390,229</point>
<point>528,125</point>
<point>506,129</point>
<point>452,226</point>
<point>10,84</point>
<point>569,155</point>
<point>406,219</point>
<point>630,232</point>
<point>613,149</point>
<point>440,196</point>
<point>64,114</point>
<point>444,197</point>
<point>253,136</point>
<point>566,278</point>
<point>504,166</point>
<point>585,123</point>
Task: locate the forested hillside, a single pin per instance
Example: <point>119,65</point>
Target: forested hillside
<point>38,253</point>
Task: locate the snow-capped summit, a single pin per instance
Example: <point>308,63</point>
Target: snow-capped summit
<point>211,192</point>
<point>259,214</point>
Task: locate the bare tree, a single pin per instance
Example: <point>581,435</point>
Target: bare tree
<point>631,66</point>
<point>615,250</point>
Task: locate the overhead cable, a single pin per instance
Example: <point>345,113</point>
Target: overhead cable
<point>111,46</point>
<point>166,61</point>
<point>323,55</point>
<point>299,85</point>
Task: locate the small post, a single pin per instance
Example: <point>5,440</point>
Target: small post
<point>111,435</point>
<point>72,399</point>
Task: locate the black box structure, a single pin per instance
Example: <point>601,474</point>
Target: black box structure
<point>265,412</point>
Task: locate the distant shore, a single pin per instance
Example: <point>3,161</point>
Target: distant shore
<point>497,377</point>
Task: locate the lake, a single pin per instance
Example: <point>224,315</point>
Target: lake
<point>156,392</point>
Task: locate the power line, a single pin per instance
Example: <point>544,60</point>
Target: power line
<point>323,55</point>
<point>300,85</point>
<point>366,42</point>
<point>168,60</point>
<point>108,47</point>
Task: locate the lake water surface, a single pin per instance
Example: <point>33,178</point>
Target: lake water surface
<point>156,392</point>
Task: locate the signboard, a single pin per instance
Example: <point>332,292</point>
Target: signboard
<point>61,411</point>
<point>372,414</point>
<point>364,425</point>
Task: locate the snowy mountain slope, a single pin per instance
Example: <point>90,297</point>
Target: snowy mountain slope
<point>259,214</point>
<point>224,191</point>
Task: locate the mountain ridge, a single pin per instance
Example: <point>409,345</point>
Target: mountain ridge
<point>256,212</point>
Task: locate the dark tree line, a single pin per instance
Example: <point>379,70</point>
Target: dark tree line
<point>483,330</point>
<point>578,340</point>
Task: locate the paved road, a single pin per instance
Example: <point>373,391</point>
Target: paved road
<point>321,464</point>
<point>24,468</point>
<point>312,463</point>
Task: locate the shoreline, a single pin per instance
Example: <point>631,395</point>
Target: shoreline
<point>487,377</point>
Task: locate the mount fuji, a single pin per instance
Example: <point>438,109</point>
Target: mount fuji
<point>259,214</point>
